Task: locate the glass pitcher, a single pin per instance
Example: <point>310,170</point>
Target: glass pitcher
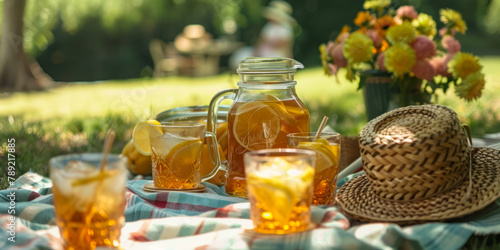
<point>265,109</point>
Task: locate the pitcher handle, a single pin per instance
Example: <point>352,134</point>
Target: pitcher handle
<point>213,107</point>
<point>213,147</point>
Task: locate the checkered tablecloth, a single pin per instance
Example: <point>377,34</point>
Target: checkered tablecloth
<point>213,220</point>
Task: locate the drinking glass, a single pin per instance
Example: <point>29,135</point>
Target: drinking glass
<point>176,154</point>
<point>327,148</point>
<point>280,189</point>
<point>89,202</point>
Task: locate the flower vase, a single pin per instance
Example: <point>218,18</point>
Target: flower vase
<point>383,93</point>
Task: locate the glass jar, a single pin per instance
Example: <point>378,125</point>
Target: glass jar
<point>265,109</point>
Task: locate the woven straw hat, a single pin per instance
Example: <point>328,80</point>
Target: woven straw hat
<point>420,168</point>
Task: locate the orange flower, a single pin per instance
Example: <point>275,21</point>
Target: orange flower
<point>343,35</point>
<point>363,18</point>
<point>385,46</point>
<point>383,23</point>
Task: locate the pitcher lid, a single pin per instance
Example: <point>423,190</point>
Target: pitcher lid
<point>258,65</point>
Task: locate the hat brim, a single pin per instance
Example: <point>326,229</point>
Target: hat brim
<point>277,15</point>
<point>357,199</point>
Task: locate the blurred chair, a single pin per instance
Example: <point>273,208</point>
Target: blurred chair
<point>165,58</point>
<point>200,51</point>
<point>195,44</point>
<point>194,52</point>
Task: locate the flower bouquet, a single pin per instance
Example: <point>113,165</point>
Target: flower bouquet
<point>407,46</point>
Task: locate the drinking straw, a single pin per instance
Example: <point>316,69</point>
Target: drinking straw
<point>321,127</point>
<point>108,142</point>
<point>92,210</point>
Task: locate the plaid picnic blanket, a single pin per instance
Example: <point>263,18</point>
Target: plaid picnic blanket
<point>213,220</point>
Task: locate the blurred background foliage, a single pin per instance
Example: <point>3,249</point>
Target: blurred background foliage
<point>99,40</point>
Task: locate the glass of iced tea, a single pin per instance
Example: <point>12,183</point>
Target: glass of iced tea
<point>327,148</point>
<point>176,154</point>
<point>89,202</point>
<point>279,183</point>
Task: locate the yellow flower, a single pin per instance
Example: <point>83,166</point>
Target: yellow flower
<point>358,48</point>
<point>425,25</point>
<point>376,4</point>
<point>399,59</point>
<point>363,18</point>
<point>401,33</point>
<point>453,20</point>
<point>463,64</point>
<point>471,87</point>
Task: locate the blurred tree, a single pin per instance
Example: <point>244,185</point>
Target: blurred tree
<point>27,27</point>
<point>90,40</point>
<point>18,71</point>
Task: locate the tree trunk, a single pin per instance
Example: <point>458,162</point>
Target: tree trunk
<point>18,71</point>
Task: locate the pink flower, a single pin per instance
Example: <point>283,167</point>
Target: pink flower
<point>444,32</point>
<point>343,37</point>
<point>338,56</point>
<point>424,69</point>
<point>424,47</point>
<point>440,64</point>
<point>375,36</point>
<point>451,44</point>
<point>380,62</point>
<point>329,47</point>
<point>408,12</point>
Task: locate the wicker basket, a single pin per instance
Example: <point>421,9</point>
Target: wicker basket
<point>349,151</point>
<point>414,153</point>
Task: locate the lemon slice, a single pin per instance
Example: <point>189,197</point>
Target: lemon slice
<point>100,176</point>
<point>325,155</point>
<point>279,107</point>
<point>256,125</point>
<point>278,188</point>
<point>185,156</point>
<point>274,199</point>
<point>141,133</point>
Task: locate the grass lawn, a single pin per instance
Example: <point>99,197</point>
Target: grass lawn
<point>74,118</point>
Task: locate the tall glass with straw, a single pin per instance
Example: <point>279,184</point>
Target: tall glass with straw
<point>327,148</point>
<point>89,197</point>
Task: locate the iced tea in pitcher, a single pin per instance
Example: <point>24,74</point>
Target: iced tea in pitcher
<point>265,109</point>
<point>260,124</point>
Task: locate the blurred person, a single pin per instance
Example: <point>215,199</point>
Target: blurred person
<point>276,37</point>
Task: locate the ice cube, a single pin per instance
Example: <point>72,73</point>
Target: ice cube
<point>115,183</point>
<point>295,172</point>
<point>84,195</point>
<point>270,172</point>
<point>79,167</point>
<point>163,145</point>
<point>64,177</point>
<point>62,182</point>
